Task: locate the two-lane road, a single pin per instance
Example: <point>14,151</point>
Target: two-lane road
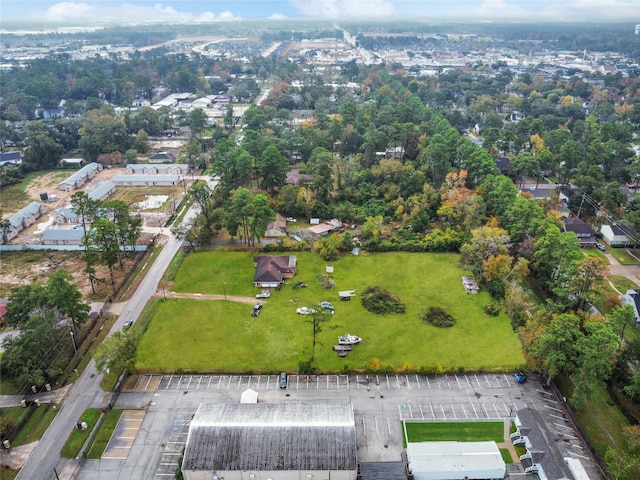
<point>86,392</point>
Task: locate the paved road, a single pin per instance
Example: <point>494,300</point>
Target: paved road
<point>86,392</point>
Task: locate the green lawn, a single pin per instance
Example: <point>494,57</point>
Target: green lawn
<point>219,336</point>
<point>455,431</point>
<point>622,256</point>
<point>36,425</point>
<point>78,437</point>
<point>506,455</point>
<point>103,435</point>
<point>599,417</point>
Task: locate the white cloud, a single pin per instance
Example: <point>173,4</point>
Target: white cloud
<point>344,8</point>
<point>100,10</point>
<point>554,10</point>
<point>277,16</point>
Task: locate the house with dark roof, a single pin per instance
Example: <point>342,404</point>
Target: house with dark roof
<point>10,159</point>
<point>260,441</point>
<point>272,270</point>
<point>164,157</point>
<point>617,236</point>
<point>583,231</point>
<point>632,297</point>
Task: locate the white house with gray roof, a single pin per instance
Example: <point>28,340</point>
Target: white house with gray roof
<point>22,219</point>
<point>260,441</point>
<point>59,236</point>
<point>79,178</point>
<point>158,168</point>
<point>102,191</point>
<point>146,180</point>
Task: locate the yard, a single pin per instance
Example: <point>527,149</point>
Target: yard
<point>221,336</point>
<point>455,431</point>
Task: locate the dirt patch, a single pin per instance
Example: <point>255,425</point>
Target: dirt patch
<point>34,267</point>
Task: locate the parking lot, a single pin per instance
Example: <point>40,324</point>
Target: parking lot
<point>380,402</point>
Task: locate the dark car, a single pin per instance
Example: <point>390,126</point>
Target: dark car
<point>520,377</point>
<point>282,380</point>
<point>257,308</point>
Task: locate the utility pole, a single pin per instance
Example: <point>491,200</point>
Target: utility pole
<point>73,339</point>
<point>581,202</point>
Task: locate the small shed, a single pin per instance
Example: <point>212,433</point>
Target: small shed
<point>345,295</point>
<point>470,285</point>
<point>249,396</point>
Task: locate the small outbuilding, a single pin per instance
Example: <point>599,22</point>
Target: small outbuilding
<point>617,236</point>
<point>455,461</point>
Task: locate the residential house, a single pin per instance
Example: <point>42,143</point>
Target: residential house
<point>277,227</point>
<point>79,178</point>
<point>59,236</point>
<point>583,231</point>
<point>146,180</point>
<point>632,297</point>
<point>272,270</point>
<point>24,218</point>
<point>164,157</point>
<point>294,177</point>
<point>67,216</point>
<point>617,236</point>
<point>10,159</point>
<point>320,230</point>
<point>158,168</point>
<point>102,191</point>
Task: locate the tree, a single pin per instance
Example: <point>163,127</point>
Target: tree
<point>488,241</point>
<point>621,464</point>
<point>555,255</point>
<point>58,294</point>
<point>261,214</point>
<point>319,315</point>
<point>272,169</point>
<point>598,349</point>
<point>85,207</point>
<point>43,151</point>
<point>102,133</point>
<point>556,349</point>
<point>104,237</point>
<point>584,285</point>
<point>117,353</point>
<point>620,317</point>
<point>142,141</point>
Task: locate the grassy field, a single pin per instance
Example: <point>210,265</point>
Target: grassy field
<point>218,336</point>
<point>35,426</point>
<point>455,431</point>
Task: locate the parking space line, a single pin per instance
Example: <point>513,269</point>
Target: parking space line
<point>421,413</point>
<point>562,426</point>
<point>376,422</point>
<point>443,414</point>
<point>496,410</point>
<point>170,378</point>
<point>433,414</point>
<point>219,382</point>
<point>558,417</point>
<point>544,391</point>
<point>389,426</point>
<point>474,410</point>
<point>229,382</point>
<point>506,378</point>
<point>487,379</point>
<point>453,410</point>
<point>553,408</point>
<point>428,383</point>
<point>464,410</point>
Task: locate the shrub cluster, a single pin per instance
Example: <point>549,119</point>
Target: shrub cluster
<point>492,309</point>
<point>378,300</point>
<point>437,317</point>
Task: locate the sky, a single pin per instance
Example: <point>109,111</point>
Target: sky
<point>226,10</point>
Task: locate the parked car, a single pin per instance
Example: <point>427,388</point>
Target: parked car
<point>282,380</point>
<point>257,308</point>
<point>304,311</point>
<point>327,306</point>
<point>291,219</point>
<point>263,295</point>
<point>128,323</point>
<point>520,377</point>
<point>601,247</point>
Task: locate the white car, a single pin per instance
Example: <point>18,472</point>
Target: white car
<point>304,311</point>
<point>291,219</point>
<point>263,295</point>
